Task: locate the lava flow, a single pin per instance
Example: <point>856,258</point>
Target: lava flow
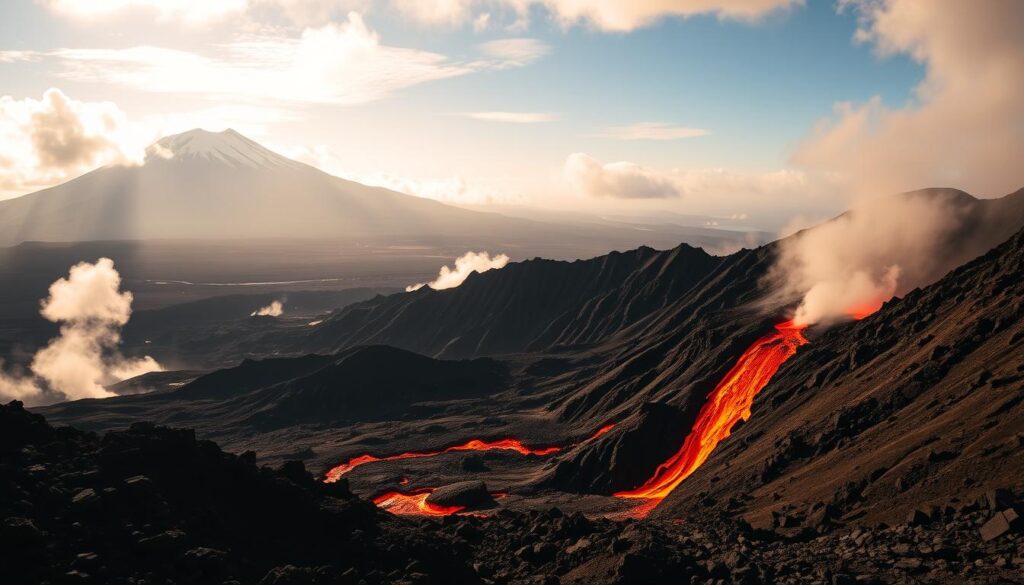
<point>601,431</point>
<point>474,445</point>
<point>728,403</point>
<point>413,503</point>
<point>335,473</point>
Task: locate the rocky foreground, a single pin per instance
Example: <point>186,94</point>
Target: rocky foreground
<point>154,505</point>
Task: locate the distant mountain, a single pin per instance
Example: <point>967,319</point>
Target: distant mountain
<point>202,185</point>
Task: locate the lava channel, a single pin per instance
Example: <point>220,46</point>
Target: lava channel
<point>413,503</point>
<point>474,445</point>
<point>727,404</point>
<point>335,473</point>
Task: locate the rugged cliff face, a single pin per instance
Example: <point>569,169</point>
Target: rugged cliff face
<point>914,405</point>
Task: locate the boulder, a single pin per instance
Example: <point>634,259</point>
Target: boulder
<point>469,494</point>
<point>1001,523</point>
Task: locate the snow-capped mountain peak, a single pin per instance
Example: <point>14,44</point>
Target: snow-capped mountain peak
<point>228,147</point>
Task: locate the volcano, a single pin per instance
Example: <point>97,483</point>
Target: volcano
<point>206,185</point>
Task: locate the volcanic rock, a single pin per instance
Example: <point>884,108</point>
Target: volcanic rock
<point>468,494</point>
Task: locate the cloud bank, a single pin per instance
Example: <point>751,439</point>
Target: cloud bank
<point>465,265</point>
<point>607,15</point>
<point>964,129</point>
<point>341,64</point>
<point>652,131</point>
<point>83,359</point>
<point>55,138</point>
<point>621,180</point>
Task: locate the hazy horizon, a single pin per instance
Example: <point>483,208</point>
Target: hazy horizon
<point>766,115</point>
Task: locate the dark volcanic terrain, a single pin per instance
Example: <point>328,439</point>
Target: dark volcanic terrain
<point>886,448</point>
<point>155,505</point>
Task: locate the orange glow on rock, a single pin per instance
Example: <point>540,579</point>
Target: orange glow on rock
<point>858,312</point>
<point>727,404</point>
<point>413,503</point>
<point>474,445</point>
<point>601,431</point>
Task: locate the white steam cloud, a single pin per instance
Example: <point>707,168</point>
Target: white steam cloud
<point>465,265</point>
<point>83,359</point>
<point>274,309</point>
<point>846,268</point>
<point>963,127</point>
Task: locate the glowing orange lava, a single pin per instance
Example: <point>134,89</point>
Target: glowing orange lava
<point>601,431</point>
<point>727,404</point>
<point>413,503</point>
<point>474,445</point>
<point>858,312</point>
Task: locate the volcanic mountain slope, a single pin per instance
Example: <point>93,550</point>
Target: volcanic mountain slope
<point>540,304</point>
<point>202,185</point>
<point>918,405</point>
<point>525,306</point>
<point>222,185</point>
<point>647,342</point>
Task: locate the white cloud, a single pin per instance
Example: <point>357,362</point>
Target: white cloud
<point>274,309</point>
<point>513,117</point>
<point>769,199</point>
<point>652,131</point>
<point>608,15</point>
<point>339,64</point>
<point>964,128</point>
<point>46,141</point>
<point>518,52</point>
<point>83,359</point>
<point>193,11</point>
<point>343,64</point>
<point>621,180</point>
<point>465,265</point>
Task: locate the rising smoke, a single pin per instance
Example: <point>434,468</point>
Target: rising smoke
<point>465,265</point>
<point>883,247</point>
<point>83,359</point>
<point>274,309</point>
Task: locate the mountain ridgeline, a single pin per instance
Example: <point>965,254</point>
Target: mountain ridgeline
<point>892,411</point>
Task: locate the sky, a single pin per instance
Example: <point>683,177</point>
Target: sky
<point>760,113</point>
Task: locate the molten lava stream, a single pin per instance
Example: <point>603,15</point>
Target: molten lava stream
<point>474,445</point>
<point>413,503</point>
<point>728,403</point>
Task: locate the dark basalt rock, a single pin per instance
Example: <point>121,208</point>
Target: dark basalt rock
<point>468,494</point>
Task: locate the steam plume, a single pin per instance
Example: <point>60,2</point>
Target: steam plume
<point>274,309</point>
<point>83,358</point>
<point>882,247</point>
<point>465,265</point>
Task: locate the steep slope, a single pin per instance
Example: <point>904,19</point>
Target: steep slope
<point>525,306</point>
<point>921,404</point>
<point>539,304</point>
